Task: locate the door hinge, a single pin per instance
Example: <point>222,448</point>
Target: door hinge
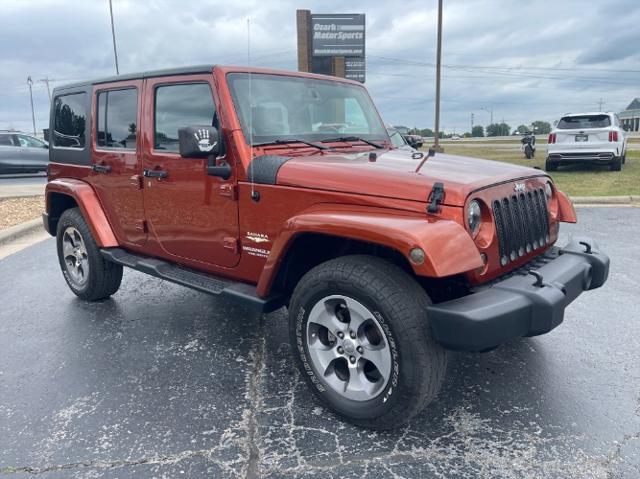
<point>141,225</point>
<point>229,190</point>
<point>136,180</point>
<point>232,244</point>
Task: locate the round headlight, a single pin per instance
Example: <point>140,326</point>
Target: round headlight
<point>548,191</point>
<point>474,216</point>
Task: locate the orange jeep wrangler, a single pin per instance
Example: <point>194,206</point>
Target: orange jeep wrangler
<point>279,188</point>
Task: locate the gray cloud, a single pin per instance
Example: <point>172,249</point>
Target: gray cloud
<point>559,54</point>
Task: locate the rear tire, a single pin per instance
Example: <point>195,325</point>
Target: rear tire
<point>87,273</point>
<point>616,164</point>
<point>376,294</point>
<point>550,165</point>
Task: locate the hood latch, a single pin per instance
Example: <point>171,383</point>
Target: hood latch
<point>435,197</point>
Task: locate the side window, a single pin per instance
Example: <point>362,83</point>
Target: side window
<point>30,142</point>
<point>117,119</point>
<point>6,140</point>
<point>177,106</point>
<point>70,121</point>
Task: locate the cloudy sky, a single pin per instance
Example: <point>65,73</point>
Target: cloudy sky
<point>525,60</point>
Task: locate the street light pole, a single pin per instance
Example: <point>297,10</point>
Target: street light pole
<point>490,111</point>
<point>438,65</point>
<point>46,82</point>
<point>113,36</point>
<point>33,115</point>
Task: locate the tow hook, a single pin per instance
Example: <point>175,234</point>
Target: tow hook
<point>586,245</point>
<point>539,279</point>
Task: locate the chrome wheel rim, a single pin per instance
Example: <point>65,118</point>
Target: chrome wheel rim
<point>348,348</point>
<point>74,253</point>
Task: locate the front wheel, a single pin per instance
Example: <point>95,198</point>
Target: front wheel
<point>87,273</point>
<point>360,334</point>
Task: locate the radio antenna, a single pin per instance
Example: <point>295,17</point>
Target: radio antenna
<point>253,193</point>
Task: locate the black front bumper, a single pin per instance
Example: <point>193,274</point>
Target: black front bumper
<point>528,303</point>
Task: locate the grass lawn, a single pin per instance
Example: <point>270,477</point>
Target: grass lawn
<point>575,180</point>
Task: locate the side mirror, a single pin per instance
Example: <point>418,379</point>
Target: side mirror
<point>198,141</point>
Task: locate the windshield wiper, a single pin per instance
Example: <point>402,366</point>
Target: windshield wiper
<point>284,141</point>
<point>354,138</point>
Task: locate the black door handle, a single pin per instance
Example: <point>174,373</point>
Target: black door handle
<point>101,168</point>
<point>154,174</point>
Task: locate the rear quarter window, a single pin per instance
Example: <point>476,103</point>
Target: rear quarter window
<point>70,121</point>
<point>584,121</point>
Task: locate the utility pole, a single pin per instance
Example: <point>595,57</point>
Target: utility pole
<point>33,115</point>
<point>471,124</point>
<point>113,36</point>
<point>46,82</point>
<point>436,145</point>
<point>600,103</point>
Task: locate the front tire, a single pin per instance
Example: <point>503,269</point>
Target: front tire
<point>359,331</point>
<point>86,272</point>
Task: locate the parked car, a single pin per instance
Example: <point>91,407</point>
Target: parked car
<point>397,140</point>
<point>415,141</point>
<point>21,153</point>
<point>594,137</point>
<point>382,262</point>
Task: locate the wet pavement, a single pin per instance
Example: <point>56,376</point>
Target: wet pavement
<point>162,381</point>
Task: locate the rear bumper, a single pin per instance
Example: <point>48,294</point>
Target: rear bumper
<point>582,157</point>
<point>521,305</point>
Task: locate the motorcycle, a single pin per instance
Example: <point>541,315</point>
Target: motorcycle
<point>528,145</point>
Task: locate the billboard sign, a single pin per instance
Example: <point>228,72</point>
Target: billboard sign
<point>340,35</point>
<point>354,69</point>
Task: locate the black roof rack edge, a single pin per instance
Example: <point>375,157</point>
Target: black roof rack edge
<point>140,75</point>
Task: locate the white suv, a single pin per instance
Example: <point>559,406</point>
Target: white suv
<point>587,138</point>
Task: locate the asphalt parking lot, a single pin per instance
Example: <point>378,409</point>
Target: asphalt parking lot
<point>22,185</point>
<point>162,381</point>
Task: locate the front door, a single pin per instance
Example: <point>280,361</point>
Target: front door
<point>116,162</point>
<point>191,214</point>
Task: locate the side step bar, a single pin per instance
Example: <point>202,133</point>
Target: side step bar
<point>240,292</point>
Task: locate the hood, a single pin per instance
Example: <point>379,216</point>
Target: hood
<point>393,174</point>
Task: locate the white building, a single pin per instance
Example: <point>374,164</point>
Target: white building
<point>630,118</point>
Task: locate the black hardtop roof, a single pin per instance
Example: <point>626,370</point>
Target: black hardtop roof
<point>140,75</point>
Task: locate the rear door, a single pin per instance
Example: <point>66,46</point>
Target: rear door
<point>116,163</point>
<point>193,215</point>
<point>34,153</point>
<point>9,154</point>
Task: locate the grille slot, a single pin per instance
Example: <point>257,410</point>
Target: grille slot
<point>522,224</point>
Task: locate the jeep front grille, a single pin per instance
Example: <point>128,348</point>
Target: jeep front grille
<point>522,224</point>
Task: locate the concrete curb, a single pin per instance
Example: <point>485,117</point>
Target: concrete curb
<point>18,231</point>
<point>606,200</point>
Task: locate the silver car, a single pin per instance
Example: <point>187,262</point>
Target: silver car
<point>20,153</point>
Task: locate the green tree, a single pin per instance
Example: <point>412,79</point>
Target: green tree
<point>498,129</point>
<point>541,127</point>
<point>426,132</point>
<point>477,131</point>
<point>522,129</point>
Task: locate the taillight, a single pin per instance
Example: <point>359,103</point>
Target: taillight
<point>552,138</point>
<point>613,136</point>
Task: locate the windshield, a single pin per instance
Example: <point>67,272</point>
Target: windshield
<point>306,108</point>
<point>584,121</point>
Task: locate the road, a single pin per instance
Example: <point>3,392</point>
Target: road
<point>22,185</point>
<point>161,381</point>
